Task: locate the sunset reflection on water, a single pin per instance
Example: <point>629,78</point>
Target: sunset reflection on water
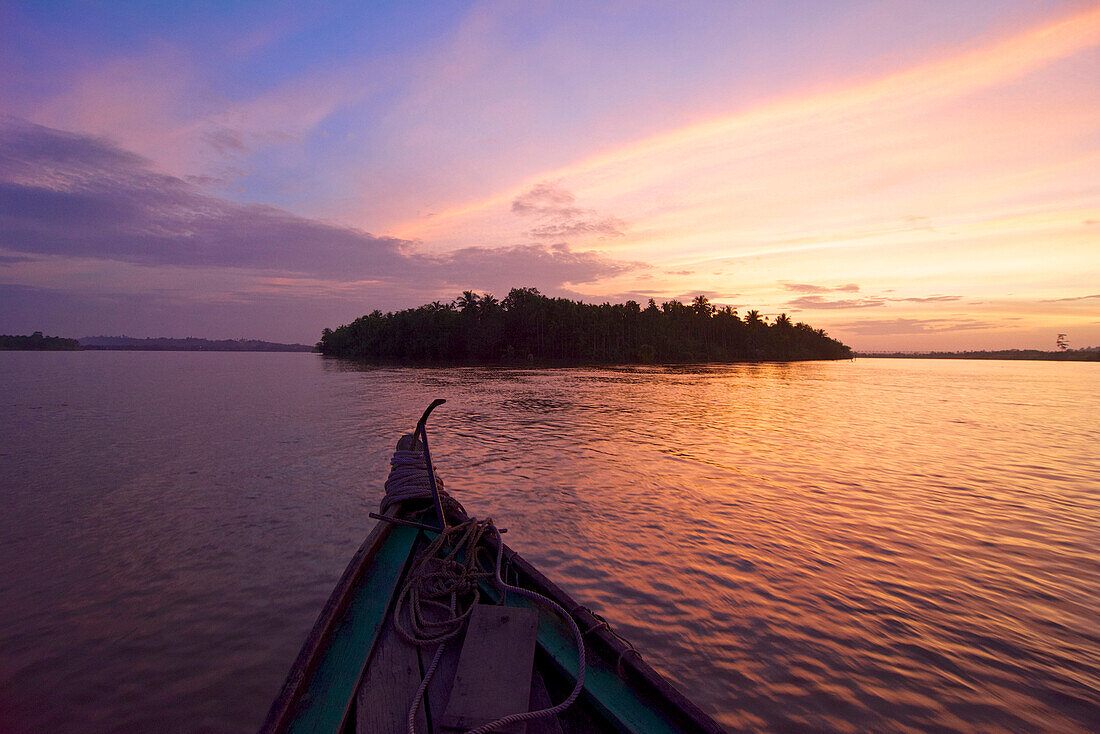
<point>875,545</point>
<point>886,545</point>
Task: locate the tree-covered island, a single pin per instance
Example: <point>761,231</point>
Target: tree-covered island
<point>528,327</point>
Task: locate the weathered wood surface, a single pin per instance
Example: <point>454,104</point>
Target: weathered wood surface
<point>622,693</point>
<point>540,699</point>
<point>389,687</point>
<point>439,687</point>
<point>494,669</point>
<point>335,680</point>
<point>390,684</point>
<point>318,693</point>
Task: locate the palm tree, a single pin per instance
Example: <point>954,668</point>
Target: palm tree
<point>701,306</point>
<point>528,323</point>
<point>467,302</point>
<point>488,303</point>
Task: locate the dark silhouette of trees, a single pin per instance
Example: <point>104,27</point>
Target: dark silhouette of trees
<point>528,327</point>
<point>467,303</point>
<point>37,342</point>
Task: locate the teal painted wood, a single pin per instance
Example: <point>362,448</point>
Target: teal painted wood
<point>610,693</point>
<point>606,689</point>
<point>329,692</point>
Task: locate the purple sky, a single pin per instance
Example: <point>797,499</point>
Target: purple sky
<point>903,174</point>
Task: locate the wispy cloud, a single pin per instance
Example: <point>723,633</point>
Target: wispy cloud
<point>1072,298</point>
<point>557,215</point>
<point>156,101</point>
<point>809,288</point>
<point>766,142</point>
<point>73,196</point>
<point>820,302</point>
<point>926,299</point>
<point>857,181</point>
<point>900,326</point>
<point>555,265</point>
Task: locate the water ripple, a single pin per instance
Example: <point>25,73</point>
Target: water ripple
<point>875,545</point>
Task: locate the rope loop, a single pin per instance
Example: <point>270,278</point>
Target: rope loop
<point>442,588</point>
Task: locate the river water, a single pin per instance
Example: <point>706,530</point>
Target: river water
<point>886,545</point>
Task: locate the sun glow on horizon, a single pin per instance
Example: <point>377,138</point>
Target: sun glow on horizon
<point>940,178</point>
<point>952,172</point>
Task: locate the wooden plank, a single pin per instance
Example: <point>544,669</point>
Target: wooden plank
<point>439,687</point>
<point>494,668</point>
<point>540,699</point>
<point>328,693</point>
<point>389,687</point>
<point>286,703</point>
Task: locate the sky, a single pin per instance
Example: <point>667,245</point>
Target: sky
<point>906,175</point>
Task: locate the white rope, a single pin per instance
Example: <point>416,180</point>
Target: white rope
<point>436,577</point>
<point>424,687</point>
<point>408,479</point>
<point>440,583</point>
<point>553,710</point>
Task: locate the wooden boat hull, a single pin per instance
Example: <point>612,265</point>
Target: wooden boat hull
<point>355,674</point>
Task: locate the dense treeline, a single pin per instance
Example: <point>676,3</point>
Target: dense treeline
<point>37,342</point>
<point>527,326</point>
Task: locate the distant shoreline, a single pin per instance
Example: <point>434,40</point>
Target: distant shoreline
<point>1080,355</point>
<point>190,344</point>
<point>288,349</point>
<point>39,342</point>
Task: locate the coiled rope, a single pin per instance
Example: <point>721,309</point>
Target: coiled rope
<point>408,479</point>
<point>442,588</point>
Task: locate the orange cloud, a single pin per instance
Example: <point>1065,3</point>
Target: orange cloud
<point>650,163</point>
<point>969,175</point>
